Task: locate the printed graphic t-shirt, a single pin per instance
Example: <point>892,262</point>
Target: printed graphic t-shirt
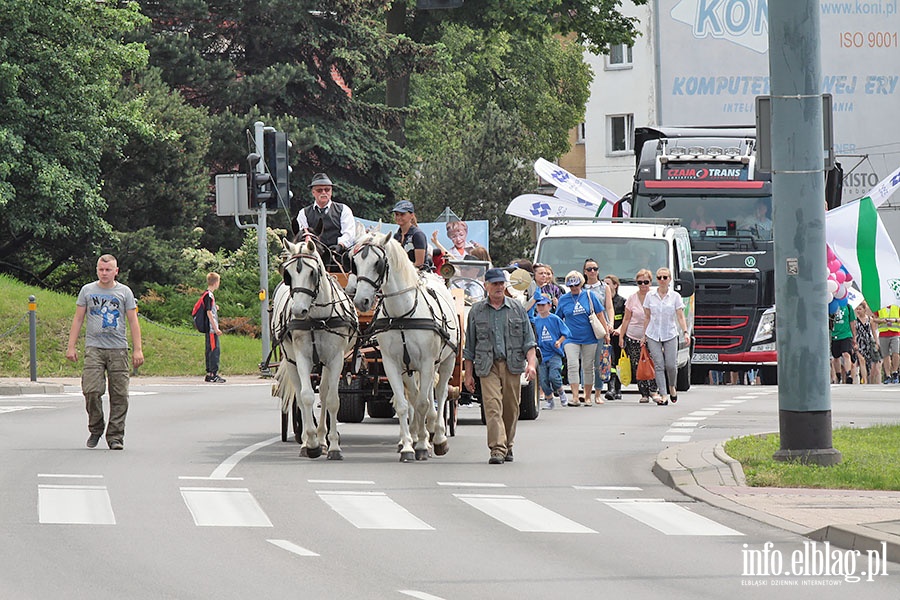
<point>106,314</point>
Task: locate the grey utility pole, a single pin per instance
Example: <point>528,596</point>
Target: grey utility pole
<point>798,182</point>
<point>262,245</point>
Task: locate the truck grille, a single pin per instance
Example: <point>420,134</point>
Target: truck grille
<point>719,332</point>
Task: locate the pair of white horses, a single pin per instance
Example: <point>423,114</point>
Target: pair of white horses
<point>417,333</point>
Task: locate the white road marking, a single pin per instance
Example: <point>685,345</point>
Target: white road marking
<point>338,481</point>
<point>676,438</point>
<point>670,518</point>
<point>471,484</point>
<point>75,505</point>
<point>203,478</point>
<point>522,514</point>
<point>684,424</point>
<point>420,595</point>
<point>10,409</point>
<point>224,507</point>
<point>292,547</point>
<point>222,471</point>
<point>69,476</point>
<point>692,419</point>
<point>608,488</point>
<point>733,401</point>
<point>704,413</point>
<point>744,397</point>
<point>372,510</point>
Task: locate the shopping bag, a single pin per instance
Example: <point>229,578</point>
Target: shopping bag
<point>645,370</point>
<point>624,368</point>
<point>604,365</point>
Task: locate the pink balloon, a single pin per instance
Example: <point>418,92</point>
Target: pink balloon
<point>830,253</point>
<point>848,276</point>
<point>840,276</point>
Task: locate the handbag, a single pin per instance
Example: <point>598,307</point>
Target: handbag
<point>623,367</point>
<point>645,369</point>
<point>604,365</point>
<point>596,325</point>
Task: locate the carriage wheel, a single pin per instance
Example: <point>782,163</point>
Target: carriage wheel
<point>451,408</point>
<point>353,403</point>
<point>380,409</point>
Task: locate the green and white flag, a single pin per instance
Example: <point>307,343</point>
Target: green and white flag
<point>858,237</point>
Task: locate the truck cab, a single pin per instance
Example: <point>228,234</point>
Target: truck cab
<point>622,246</point>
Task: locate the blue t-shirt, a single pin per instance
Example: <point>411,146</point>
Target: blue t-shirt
<point>547,331</point>
<point>575,313</point>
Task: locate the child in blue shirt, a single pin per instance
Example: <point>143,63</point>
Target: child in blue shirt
<point>550,334</point>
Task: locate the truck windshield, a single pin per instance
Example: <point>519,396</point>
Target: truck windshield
<point>623,257</point>
<point>712,215</point>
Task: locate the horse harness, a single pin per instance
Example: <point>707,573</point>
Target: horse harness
<point>404,322</point>
<point>330,324</point>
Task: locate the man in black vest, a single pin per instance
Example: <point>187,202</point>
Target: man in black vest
<point>338,225</point>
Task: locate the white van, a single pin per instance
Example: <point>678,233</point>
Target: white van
<point>622,246</point>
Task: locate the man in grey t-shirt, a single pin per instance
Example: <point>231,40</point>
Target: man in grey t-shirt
<point>106,305</point>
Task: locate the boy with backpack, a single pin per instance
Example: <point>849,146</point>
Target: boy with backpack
<point>206,320</point>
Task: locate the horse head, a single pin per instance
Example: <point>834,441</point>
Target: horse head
<point>369,268</point>
<point>302,273</point>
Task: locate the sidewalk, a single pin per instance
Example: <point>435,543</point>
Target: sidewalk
<point>850,519</point>
<point>17,386</point>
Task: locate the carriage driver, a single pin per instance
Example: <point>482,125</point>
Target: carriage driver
<point>339,227</point>
<point>499,347</point>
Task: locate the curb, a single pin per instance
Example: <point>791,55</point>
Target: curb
<point>31,387</point>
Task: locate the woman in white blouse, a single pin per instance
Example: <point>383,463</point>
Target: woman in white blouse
<point>664,314</point>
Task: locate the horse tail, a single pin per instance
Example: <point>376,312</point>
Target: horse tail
<point>283,388</point>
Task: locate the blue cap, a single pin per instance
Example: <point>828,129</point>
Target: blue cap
<point>543,300</point>
<point>495,276</point>
<point>404,206</point>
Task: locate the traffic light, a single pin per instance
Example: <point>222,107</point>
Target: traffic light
<point>262,188</point>
<point>276,151</point>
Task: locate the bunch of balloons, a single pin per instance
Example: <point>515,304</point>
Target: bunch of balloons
<point>838,282</point>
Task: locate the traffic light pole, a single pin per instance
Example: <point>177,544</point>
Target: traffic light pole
<point>263,248</point>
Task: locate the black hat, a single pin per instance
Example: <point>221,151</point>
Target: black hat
<point>320,179</point>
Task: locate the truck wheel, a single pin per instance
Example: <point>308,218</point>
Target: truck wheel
<point>769,375</point>
<point>683,379</point>
<point>530,403</point>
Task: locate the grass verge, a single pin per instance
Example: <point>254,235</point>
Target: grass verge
<point>168,351</point>
<point>870,461</point>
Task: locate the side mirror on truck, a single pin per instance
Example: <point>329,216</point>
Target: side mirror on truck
<point>684,285</point>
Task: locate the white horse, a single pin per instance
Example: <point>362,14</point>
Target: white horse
<point>315,322</point>
<point>417,331</point>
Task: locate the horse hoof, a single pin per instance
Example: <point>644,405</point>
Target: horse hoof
<point>335,455</point>
<point>399,448</point>
<point>303,452</point>
<point>314,452</point>
<point>421,454</point>
<point>407,456</point>
<point>442,448</point>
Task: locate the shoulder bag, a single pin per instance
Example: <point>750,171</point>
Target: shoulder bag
<point>596,325</point>
<point>645,370</point>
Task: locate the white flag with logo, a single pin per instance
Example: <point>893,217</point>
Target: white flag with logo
<point>582,189</point>
<point>858,237</point>
<point>885,189</point>
<point>539,208</point>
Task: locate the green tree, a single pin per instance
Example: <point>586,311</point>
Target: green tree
<point>61,63</point>
<point>300,66</point>
<point>478,177</point>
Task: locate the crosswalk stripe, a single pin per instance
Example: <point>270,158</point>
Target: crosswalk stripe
<point>522,514</point>
<point>75,505</point>
<point>676,438</point>
<point>224,507</point>
<point>670,518</point>
<point>292,547</point>
<point>372,510</point>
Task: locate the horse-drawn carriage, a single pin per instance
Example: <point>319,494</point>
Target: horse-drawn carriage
<point>418,321</point>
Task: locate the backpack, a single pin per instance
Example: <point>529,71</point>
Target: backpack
<point>199,314</point>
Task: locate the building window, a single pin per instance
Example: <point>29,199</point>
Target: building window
<point>619,57</point>
<point>581,134</point>
<point>621,133</point>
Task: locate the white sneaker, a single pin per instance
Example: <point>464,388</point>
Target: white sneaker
<point>563,399</point>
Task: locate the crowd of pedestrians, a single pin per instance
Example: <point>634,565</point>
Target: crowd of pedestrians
<point>865,346</point>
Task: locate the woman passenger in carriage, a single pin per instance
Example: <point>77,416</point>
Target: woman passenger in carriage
<point>413,239</point>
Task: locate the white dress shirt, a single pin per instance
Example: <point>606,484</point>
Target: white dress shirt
<point>348,224</point>
<point>663,324</point>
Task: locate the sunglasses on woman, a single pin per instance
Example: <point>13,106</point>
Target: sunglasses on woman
<point>662,277</point>
<point>643,282</point>
<point>592,268</point>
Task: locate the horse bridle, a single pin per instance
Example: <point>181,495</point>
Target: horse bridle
<point>381,267</point>
<point>312,293</point>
